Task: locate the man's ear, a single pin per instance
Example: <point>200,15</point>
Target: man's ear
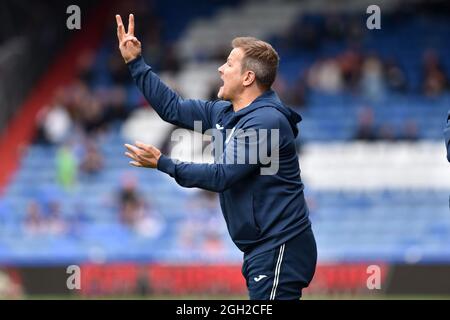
<point>249,78</point>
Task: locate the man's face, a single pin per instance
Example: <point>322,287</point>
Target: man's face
<point>232,76</point>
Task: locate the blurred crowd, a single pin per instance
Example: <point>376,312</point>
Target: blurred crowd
<point>99,100</point>
<point>366,75</point>
<point>368,130</point>
<point>103,96</point>
<point>355,70</point>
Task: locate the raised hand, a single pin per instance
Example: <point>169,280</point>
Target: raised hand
<point>143,155</point>
<point>129,45</point>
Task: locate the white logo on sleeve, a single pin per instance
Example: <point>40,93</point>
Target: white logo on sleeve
<point>260,277</point>
<point>219,127</point>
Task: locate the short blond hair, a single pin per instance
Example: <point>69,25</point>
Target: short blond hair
<point>259,57</point>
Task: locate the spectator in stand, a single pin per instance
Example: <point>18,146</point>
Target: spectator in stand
<point>298,93</point>
<point>149,223</point>
<point>350,66</point>
<point>366,130</point>
<point>372,78</point>
<point>33,223</point>
<point>92,160</point>
<point>130,202</point>
<point>136,213</point>
<point>54,223</point>
<point>44,219</point>
<point>294,95</point>
<point>387,132</point>
<point>54,122</point>
<point>92,114</point>
<point>114,104</point>
<point>66,166</point>
<point>435,80</point>
<point>280,86</point>
<point>447,136</point>
<point>85,67</point>
<point>395,77</point>
<point>326,76</point>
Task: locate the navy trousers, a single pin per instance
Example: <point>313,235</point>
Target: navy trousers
<point>283,272</point>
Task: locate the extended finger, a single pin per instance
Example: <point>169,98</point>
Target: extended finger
<point>143,146</point>
<point>132,149</point>
<point>132,156</point>
<point>146,147</point>
<point>136,164</point>
<point>131,25</point>
<point>120,28</point>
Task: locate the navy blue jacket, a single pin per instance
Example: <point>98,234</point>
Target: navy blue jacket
<point>261,211</point>
<point>447,136</point>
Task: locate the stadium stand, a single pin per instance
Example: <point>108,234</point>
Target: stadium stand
<point>371,145</point>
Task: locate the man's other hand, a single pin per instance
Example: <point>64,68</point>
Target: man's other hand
<point>143,155</point>
<point>129,45</point>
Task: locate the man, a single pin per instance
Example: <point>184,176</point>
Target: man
<point>266,214</point>
<point>447,136</point>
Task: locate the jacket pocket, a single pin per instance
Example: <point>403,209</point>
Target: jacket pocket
<point>244,226</point>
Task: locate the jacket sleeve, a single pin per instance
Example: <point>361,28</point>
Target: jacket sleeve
<point>447,136</point>
<point>166,102</point>
<point>240,159</point>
